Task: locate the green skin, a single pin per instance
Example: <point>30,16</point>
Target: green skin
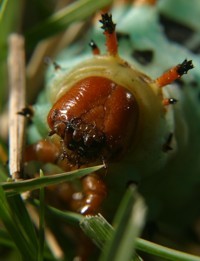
<point>168,180</point>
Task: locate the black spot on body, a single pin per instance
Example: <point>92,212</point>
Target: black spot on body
<point>194,84</point>
<point>196,49</point>
<point>144,57</point>
<point>121,35</point>
<point>174,30</point>
<point>180,83</point>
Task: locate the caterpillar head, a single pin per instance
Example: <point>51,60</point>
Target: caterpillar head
<point>95,119</point>
<point>103,107</point>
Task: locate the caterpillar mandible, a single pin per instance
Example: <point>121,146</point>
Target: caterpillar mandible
<point>101,108</point>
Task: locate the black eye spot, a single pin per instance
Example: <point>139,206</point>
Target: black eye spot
<point>174,30</point>
<point>144,57</point>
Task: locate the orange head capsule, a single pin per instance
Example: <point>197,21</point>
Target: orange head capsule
<point>95,119</point>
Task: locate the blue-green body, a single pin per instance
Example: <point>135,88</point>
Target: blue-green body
<point>168,180</point>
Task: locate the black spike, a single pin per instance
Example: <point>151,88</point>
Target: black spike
<point>172,101</point>
<point>107,23</point>
<point>184,67</point>
<point>93,45</point>
<point>48,61</point>
<point>26,112</point>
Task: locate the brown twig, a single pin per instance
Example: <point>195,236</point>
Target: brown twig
<point>16,73</point>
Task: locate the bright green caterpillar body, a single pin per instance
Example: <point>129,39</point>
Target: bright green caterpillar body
<point>163,156</point>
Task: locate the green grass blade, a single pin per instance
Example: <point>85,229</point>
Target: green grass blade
<point>12,215</point>
<point>13,188</point>
<point>22,219</point>
<point>101,232</point>
<point>164,252</point>
<point>98,229</point>
<point>129,222</point>
<point>10,12</point>
<point>41,222</point>
<point>71,217</point>
<point>3,173</point>
<point>5,239</point>
<point>59,21</point>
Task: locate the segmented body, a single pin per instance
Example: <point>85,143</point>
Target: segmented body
<point>163,157</point>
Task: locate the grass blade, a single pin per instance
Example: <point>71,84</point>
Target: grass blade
<point>5,239</point>
<point>129,222</point>
<point>116,242</point>
<point>22,218</point>
<point>10,11</point>
<point>98,229</point>
<point>13,188</point>
<point>71,217</point>
<point>12,214</point>
<point>164,252</point>
<point>41,223</point>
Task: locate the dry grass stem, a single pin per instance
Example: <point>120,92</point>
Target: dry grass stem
<point>50,47</point>
<point>16,73</point>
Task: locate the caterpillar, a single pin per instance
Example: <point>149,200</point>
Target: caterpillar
<point>119,108</point>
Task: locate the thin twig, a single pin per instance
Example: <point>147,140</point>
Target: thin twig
<point>16,70</point>
<point>50,47</point>
<point>4,124</point>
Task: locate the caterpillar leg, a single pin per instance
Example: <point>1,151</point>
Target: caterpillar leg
<point>44,151</point>
<point>47,151</point>
<point>86,201</point>
<point>93,193</point>
<point>93,190</point>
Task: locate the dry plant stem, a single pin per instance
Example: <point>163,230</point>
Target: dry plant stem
<point>16,73</point>
<point>50,47</point>
<point>4,125</point>
<point>49,237</point>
